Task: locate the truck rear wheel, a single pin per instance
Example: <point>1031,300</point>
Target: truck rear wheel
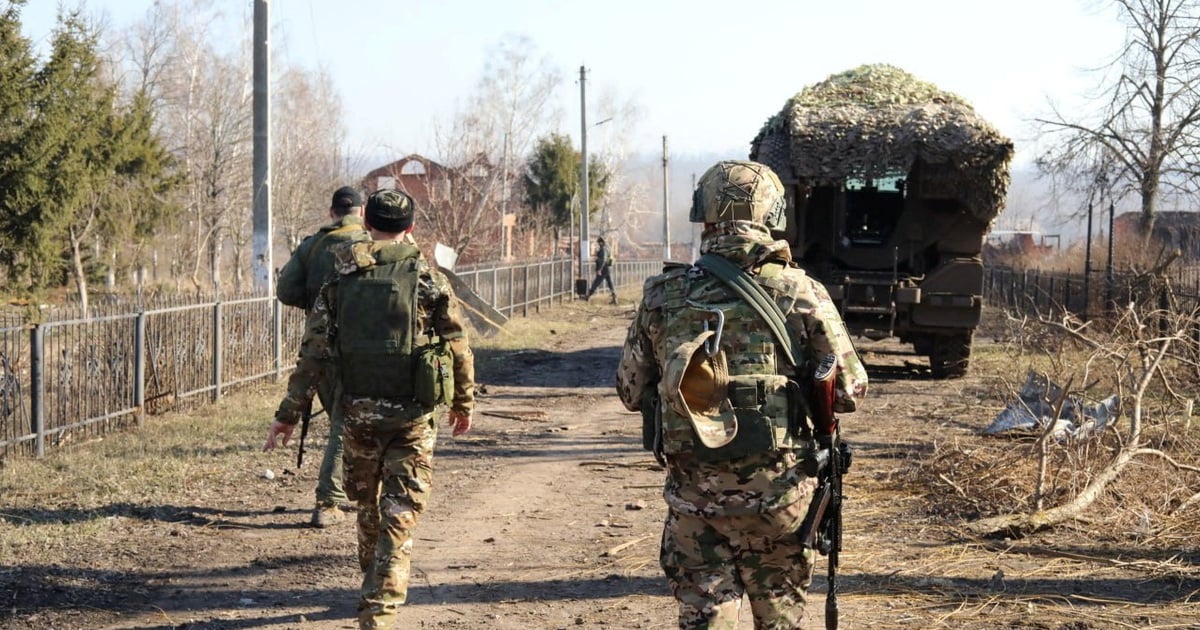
<point>950,355</point>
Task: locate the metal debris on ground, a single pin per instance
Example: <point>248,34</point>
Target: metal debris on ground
<point>1034,408</point>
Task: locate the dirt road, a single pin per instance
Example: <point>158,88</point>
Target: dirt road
<point>548,514</point>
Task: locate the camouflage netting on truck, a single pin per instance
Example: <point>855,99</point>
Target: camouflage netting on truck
<point>877,119</point>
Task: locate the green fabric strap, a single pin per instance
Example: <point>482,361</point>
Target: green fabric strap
<point>756,297</point>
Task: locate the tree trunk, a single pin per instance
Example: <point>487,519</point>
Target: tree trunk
<point>77,271</point>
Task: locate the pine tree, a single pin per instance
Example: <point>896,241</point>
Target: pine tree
<point>17,69</point>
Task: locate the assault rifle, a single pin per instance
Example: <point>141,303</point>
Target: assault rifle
<point>822,526</point>
<point>304,420</point>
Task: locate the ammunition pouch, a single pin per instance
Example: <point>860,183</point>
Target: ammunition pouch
<point>652,423</point>
<point>433,381</point>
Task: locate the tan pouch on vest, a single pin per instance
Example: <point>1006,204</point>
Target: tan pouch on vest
<point>697,388</point>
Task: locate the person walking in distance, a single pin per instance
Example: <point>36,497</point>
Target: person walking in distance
<point>300,281</point>
<point>604,262</point>
<point>711,364</point>
<point>400,352</point>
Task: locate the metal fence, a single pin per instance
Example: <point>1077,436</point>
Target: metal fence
<point>78,378</point>
<point>516,289</point>
<point>1054,292</point>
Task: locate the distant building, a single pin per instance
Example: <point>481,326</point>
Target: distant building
<point>1007,246</point>
<point>1175,230</point>
<point>413,174</point>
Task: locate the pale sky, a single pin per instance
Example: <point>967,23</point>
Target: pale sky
<point>705,73</point>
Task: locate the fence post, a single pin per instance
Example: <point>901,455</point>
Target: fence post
<point>512,290</point>
<point>37,387</point>
<point>1025,288</point>
<point>139,367</point>
<point>537,307</point>
<point>1067,293</point>
<point>217,358</point>
<point>525,291</point>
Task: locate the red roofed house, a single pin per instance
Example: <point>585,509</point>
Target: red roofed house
<point>411,174</point>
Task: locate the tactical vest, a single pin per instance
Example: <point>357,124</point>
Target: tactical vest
<point>377,324</point>
<point>754,408</point>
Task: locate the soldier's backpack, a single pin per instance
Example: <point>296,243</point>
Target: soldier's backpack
<point>380,351</point>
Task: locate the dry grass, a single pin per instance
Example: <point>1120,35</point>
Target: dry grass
<point>81,489</point>
<point>541,331</point>
<point>184,457</point>
<point>966,477</point>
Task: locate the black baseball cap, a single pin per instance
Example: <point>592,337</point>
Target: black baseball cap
<point>346,197</point>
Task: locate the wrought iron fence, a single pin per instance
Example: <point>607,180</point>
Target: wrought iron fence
<point>1086,296</point>
<point>76,378</point>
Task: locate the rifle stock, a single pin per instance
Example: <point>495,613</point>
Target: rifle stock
<point>822,526</point>
<point>824,393</point>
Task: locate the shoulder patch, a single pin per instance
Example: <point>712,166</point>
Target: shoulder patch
<point>351,256</point>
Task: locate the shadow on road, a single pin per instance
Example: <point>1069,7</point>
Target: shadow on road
<point>541,368</point>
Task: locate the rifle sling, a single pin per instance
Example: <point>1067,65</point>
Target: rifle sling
<point>757,298</point>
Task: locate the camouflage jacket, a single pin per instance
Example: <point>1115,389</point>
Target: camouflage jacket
<point>311,265</point>
<point>437,310</point>
<point>756,483</point>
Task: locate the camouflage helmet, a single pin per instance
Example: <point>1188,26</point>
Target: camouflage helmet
<point>739,190</point>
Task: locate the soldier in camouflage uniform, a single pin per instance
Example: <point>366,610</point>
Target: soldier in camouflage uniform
<point>300,281</point>
<point>401,354</point>
<point>728,426</point>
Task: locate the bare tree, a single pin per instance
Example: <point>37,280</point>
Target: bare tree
<point>626,194</point>
<point>219,150</point>
<point>307,161</point>
<point>481,145</point>
<point>1143,137</point>
<point>202,97</point>
<point>166,55</point>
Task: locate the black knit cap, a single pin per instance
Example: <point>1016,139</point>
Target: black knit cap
<point>390,211</point>
<point>346,197</point>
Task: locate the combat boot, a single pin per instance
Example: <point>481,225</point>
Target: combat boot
<point>326,516</point>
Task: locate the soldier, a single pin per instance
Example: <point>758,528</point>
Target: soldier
<point>399,350</point>
<point>604,262</point>
<point>299,282</point>
<point>729,427</point>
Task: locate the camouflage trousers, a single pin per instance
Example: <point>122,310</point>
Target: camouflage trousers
<point>313,377</point>
<point>388,455</point>
<point>711,562</point>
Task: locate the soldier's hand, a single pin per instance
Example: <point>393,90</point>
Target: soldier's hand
<point>460,421</point>
<point>281,430</point>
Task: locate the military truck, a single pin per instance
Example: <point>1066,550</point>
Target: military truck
<point>892,186</point>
